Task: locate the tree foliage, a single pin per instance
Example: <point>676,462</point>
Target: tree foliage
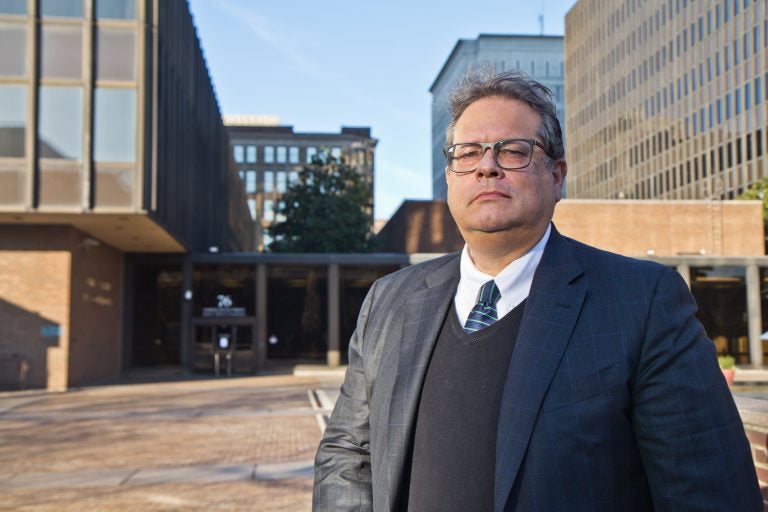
<point>759,191</point>
<point>326,210</point>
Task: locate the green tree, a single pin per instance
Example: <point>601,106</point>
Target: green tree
<point>326,210</point>
<point>759,191</point>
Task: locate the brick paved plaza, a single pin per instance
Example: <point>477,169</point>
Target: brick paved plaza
<point>213,444</point>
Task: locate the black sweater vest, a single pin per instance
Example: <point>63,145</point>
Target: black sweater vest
<point>454,446</point>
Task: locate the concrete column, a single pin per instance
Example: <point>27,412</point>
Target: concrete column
<point>685,271</point>
<point>261,316</point>
<point>187,298</point>
<point>334,344</point>
<point>754,315</point>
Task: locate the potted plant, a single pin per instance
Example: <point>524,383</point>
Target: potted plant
<point>727,365</point>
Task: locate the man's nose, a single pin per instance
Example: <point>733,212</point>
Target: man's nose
<point>487,166</point>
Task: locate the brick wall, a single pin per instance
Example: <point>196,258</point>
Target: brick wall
<point>754,414</point>
<point>60,308</point>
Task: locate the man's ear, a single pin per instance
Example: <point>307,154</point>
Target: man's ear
<point>559,170</point>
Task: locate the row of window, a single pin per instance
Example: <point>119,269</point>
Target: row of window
<point>249,153</point>
<point>717,160</point>
<point>271,181</point>
<point>104,9</point>
<point>270,210</point>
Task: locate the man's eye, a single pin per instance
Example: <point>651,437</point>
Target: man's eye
<point>467,155</point>
<point>512,152</point>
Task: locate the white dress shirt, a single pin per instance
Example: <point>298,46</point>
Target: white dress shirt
<point>514,281</point>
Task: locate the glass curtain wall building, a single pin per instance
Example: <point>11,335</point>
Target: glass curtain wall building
<point>111,143</point>
<point>666,98</point>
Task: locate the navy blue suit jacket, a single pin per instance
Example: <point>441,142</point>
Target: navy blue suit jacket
<point>613,399</point>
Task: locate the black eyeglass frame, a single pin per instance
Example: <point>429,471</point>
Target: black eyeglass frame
<point>494,147</point>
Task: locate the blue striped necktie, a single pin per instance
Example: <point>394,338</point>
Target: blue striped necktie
<point>484,313</point>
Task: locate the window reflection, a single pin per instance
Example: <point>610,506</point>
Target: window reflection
<point>12,185</point>
<point>62,55</point>
<point>13,6</point>
<point>63,8</point>
<point>13,120</point>
<point>13,41</point>
<point>115,54</point>
<point>114,187</point>
<point>116,9</point>
<point>61,123</point>
<point>115,125</point>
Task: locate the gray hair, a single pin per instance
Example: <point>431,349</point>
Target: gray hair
<point>514,85</point>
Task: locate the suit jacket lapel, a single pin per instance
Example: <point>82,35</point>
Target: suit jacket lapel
<point>423,314</point>
<point>551,310</point>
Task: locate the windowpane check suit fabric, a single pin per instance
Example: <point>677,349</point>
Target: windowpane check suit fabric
<point>484,313</point>
<point>613,399</point>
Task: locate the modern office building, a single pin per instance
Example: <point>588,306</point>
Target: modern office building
<point>666,98</point>
<point>269,157</point>
<point>111,145</point>
<point>541,57</point>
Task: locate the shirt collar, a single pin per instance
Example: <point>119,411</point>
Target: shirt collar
<point>514,280</point>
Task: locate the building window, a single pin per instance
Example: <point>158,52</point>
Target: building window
<point>13,120</point>
<point>238,153</point>
<point>293,177</point>
<point>115,54</point>
<point>250,182</point>
<point>61,123</point>
<point>269,181</point>
<point>13,58</point>
<point>311,154</point>
<point>116,9</point>
<point>336,153</point>
<point>62,51</point>
<point>13,7</point>
<point>250,154</point>
<point>281,154</point>
<point>269,154</point>
<point>281,182</point>
<point>293,154</point>
<point>62,8</point>
<point>252,208</point>
<point>114,133</point>
<point>269,210</point>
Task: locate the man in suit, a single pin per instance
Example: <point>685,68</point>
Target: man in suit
<point>530,372</point>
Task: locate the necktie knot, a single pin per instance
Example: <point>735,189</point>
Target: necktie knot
<point>484,313</point>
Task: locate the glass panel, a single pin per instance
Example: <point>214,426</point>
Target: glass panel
<point>114,132</point>
<point>269,154</point>
<point>114,187</point>
<point>237,151</point>
<point>66,8</point>
<point>13,41</point>
<point>116,9</point>
<point>60,185</point>
<point>250,154</point>
<point>115,54</point>
<point>61,123</point>
<point>293,155</point>
<point>157,314</point>
<point>721,294</point>
<point>62,55</point>
<point>12,184</point>
<point>224,291</point>
<point>281,154</point>
<point>297,312</point>
<point>13,6</point>
<point>13,120</point>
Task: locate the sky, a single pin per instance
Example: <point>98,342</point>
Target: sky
<point>321,65</point>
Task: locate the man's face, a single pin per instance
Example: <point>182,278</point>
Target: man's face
<point>490,199</point>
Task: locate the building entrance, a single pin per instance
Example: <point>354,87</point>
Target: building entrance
<point>225,346</point>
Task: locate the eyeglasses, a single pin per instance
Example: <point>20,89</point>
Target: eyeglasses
<point>510,154</point>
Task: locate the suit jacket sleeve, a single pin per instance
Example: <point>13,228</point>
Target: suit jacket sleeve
<point>343,460</point>
<point>688,429</point>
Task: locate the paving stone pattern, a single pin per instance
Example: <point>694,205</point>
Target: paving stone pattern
<point>218,444</point>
